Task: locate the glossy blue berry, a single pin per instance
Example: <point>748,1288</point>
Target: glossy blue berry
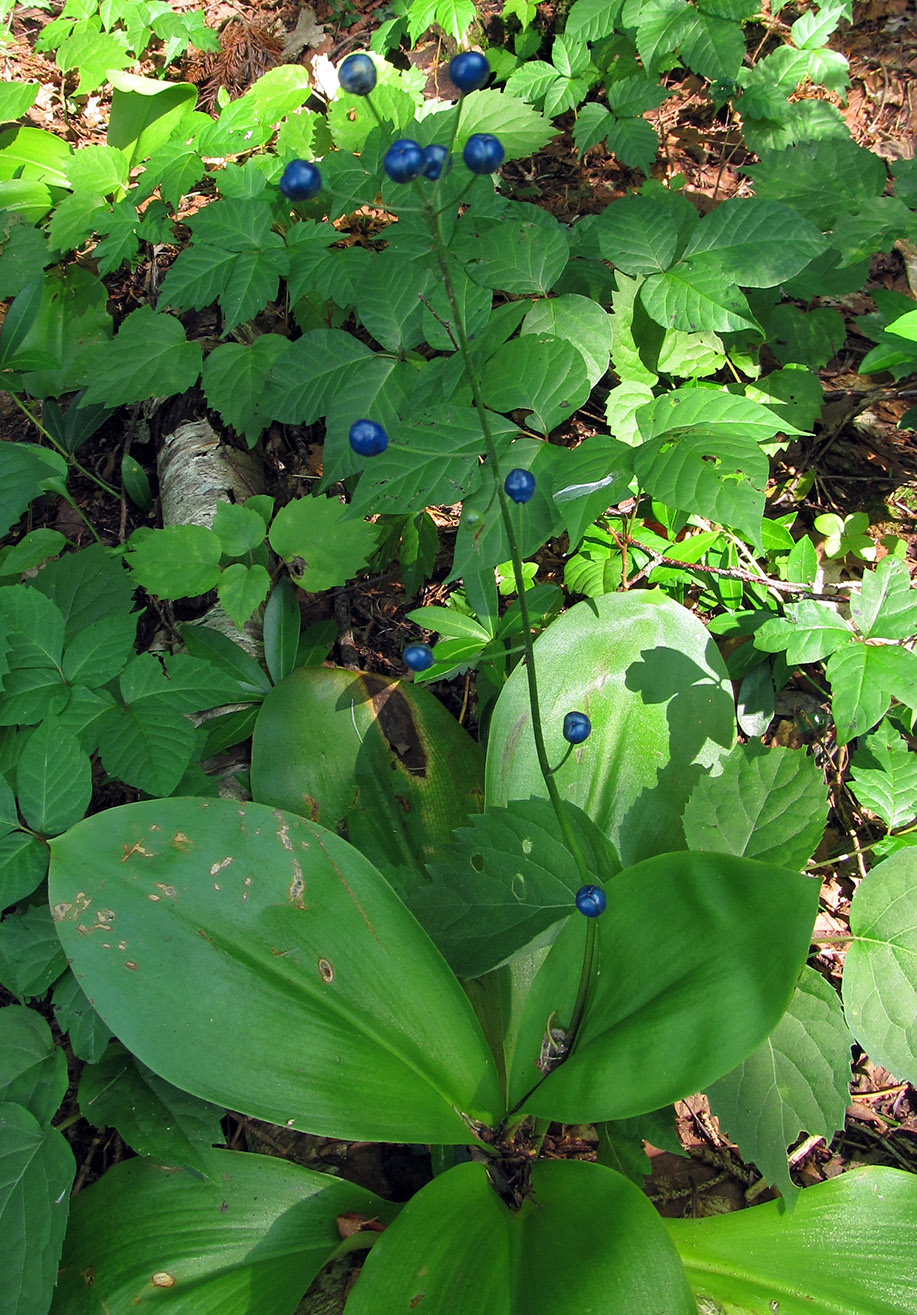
<point>468,71</point>
<point>483,153</point>
<point>300,180</point>
<point>436,158</point>
<point>404,160</point>
<point>591,901</point>
<point>519,485</point>
<point>577,727</point>
<point>367,438</point>
<point>357,74</point>
<point>418,657</point>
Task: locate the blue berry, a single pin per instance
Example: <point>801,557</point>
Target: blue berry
<point>435,158</point>
<point>367,438</point>
<point>483,153</point>
<point>577,727</point>
<point>519,485</point>
<point>469,71</point>
<point>404,160</point>
<point>300,180</point>
<point>357,74</point>
<point>591,901</point>
<point>418,657</point>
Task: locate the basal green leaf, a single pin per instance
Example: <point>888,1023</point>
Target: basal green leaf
<point>648,676</point>
<point>252,1234</point>
<point>796,1082</point>
<point>282,626</point>
<point>218,649</point>
<point>36,1172</point>
<point>584,1232</point>
<point>655,1029</point>
<point>840,1251</point>
<point>766,803</point>
<point>307,994</point>
<point>880,970</point>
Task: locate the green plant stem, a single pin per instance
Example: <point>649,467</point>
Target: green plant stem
<point>547,771</point>
<point>68,456</point>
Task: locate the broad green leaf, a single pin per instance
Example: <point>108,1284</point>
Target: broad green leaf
<point>660,25</point>
<point>145,112</point>
<point>522,130</point>
<point>36,1172</point>
<point>884,776</point>
<point>588,20</point>
<point>808,632</point>
<point>282,626</point>
<point>860,686</point>
<point>540,374</point>
<point>633,142</point>
<point>840,1252</point>
<point>810,337</point>
<point>146,741</point>
<point>433,459</point>
<point>9,816</point>
<point>880,970</point>
<point>16,98</point>
<point>23,864</point>
<point>797,1081</point>
<point>577,320</point>
<point>203,642</point>
<point>31,550</point>
<point>321,546</point>
<point>643,1004</point>
<point>53,779</point>
<point>304,381</point>
<point>388,300</point>
<point>87,1033</point>
<point>239,529</point>
<point>73,323</point>
<point>646,673</point>
<point>233,379</point>
<point>30,955</point>
<point>25,472</point>
<point>152,1116</point>
<point>520,257</point>
<point>693,295</point>
<point>251,1235</point>
<point>636,234</point>
<point>584,1232</point>
<point>242,589</point>
<point>87,586</point>
<point>180,561</point>
<point>382,761</point>
<point>812,176</point>
<point>886,606</point>
<point>472,301</point>
<point>756,243</point>
<point>149,356</point>
<point>292,923</point>
<point>33,1070</point>
<point>766,803</point>
<point>710,46</point>
<point>507,877</point>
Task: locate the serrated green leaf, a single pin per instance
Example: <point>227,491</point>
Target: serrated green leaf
<point>711,46</point>
<point>239,529</point>
<point>33,1070</point>
<point>53,779</point>
<point>880,970</point>
<point>860,688</point>
<point>636,234</point>
<point>543,375</point>
<point>884,776</point>
<point>769,804</point>
<point>389,300</point>
<point>75,1015</point>
<point>807,633</point>
<point>86,586</point>
<point>98,653</point>
<point>304,381</point>
<point>633,142</point>
<point>30,954</point>
<point>23,864</point>
<point>693,295</point>
<point>886,606</point>
<point>180,561</point>
<point>152,1116</point>
<point>149,356</point>
<point>36,1172</point>
<point>797,1081</point>
<point>518,257</point>
<point>233,379</point>
<point>756,243</point>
